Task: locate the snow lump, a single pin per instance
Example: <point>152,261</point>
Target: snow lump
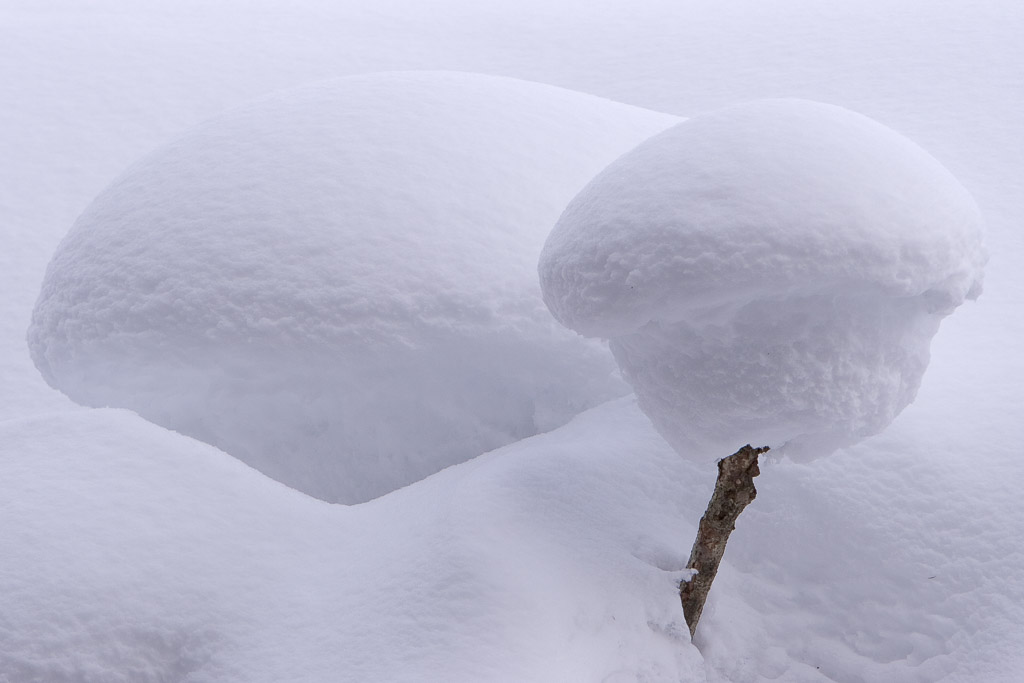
<point>770,273</point>
<point>337,283</point>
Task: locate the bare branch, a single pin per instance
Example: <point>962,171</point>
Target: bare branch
<point>734,490</point>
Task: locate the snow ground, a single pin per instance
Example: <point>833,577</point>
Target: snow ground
<point>532,573</point>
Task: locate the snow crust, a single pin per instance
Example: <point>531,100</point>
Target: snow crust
<point>769,273</point>
<point>337,283</point>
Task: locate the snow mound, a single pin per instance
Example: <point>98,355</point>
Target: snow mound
<point>770,273</point>
<point>337,284</point>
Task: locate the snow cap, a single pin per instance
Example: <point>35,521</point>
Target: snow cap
<point>770,272</point>
<point>337,283</point>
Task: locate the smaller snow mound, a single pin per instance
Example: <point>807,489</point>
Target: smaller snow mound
<point>771,272</point>
<point>336,284</point>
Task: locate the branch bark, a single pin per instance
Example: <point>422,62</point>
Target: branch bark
<point>734,490</point>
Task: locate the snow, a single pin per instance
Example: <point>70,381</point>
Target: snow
<point>136,554</point>
<point>770,273</point>
<point>337,283</point>
<point>550,559</point>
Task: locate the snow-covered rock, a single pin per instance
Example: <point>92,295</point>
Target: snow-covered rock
<point>337,284</point>
<point>770,273</point>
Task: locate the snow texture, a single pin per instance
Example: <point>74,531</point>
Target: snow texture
<point>132,554</point>
<point>770,273</point>
<point>337,284</point>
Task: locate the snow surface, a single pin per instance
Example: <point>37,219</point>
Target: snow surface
<point>770,273</point>
<point>899,559</point>
<point>337,284</point>
<point>133,554</point>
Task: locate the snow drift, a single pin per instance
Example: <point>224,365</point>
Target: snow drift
<point>337,284</point>
<point>189,566</point>
<point>770,273</point>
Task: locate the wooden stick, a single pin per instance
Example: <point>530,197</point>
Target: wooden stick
<point>734,490</point>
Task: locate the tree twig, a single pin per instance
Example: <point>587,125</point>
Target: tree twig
<point>734,490</point>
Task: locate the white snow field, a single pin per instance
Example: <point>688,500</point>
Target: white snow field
<point>155,558</point>
<point>772,272</point>
<point>338,284</point>
<point>129,552</point>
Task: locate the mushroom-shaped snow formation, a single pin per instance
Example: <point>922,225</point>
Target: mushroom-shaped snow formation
<point>770,273</point>
<point>337,284</point>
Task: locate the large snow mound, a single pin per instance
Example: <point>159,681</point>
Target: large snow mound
<point>337,284</point>
<point>770,273</point>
